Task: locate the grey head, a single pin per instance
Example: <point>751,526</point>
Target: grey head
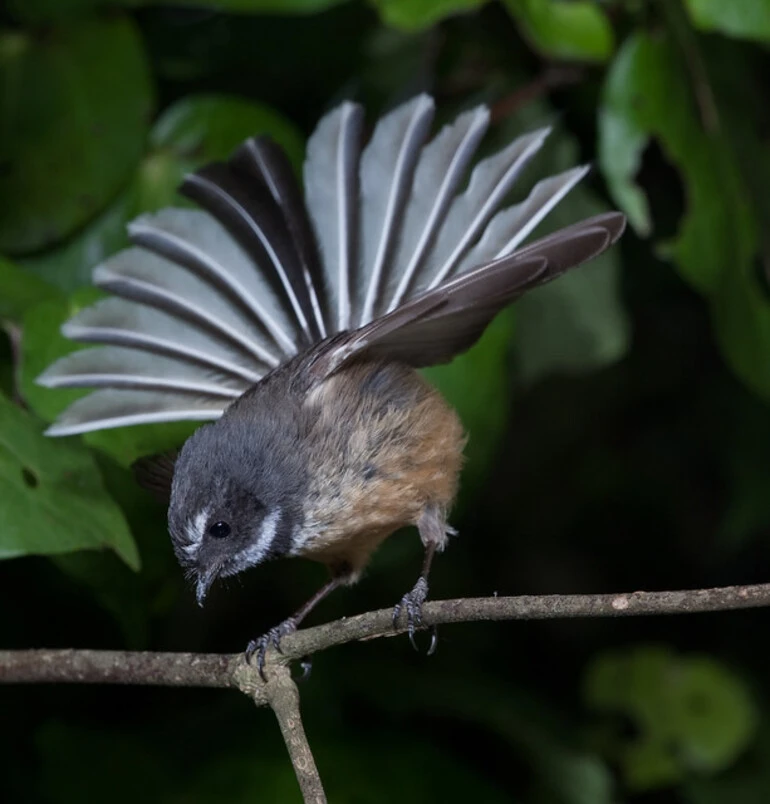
<point>236,496</point>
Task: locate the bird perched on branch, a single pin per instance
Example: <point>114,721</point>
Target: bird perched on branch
<point>297,325</point>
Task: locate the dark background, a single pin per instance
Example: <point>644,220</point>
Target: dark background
<point>618,419</point>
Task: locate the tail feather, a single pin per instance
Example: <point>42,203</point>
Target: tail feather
<point>199,243</point>
<point>156,282</point>
<point>251,216</point>
<point>259,158</point>
<point>110,408</point>
<point>439,172</point>
<point>511,226</point>
<point>119,367</point>
<point>386,176</point>
<point>120,323</point>
<point>331,194</point>
<point>490,182</point>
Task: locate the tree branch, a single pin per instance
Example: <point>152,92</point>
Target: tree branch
<point>283,697</point>
<point>213,670</point>
<point>118,667</point>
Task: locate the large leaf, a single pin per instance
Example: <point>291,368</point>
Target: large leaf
<point>195,130</point>
<point>53,497</point>
<point>649,94</point>
<point>744,19</point>
<point>576,29</point>
<point>75,107</point>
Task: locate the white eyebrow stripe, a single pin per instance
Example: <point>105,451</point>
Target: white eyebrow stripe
<point>195,531</point>
<point>256,551</point>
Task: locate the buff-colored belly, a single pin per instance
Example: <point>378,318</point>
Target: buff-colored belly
<point>385,455</point>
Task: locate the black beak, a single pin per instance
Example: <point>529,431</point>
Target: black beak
<point>205,579</point>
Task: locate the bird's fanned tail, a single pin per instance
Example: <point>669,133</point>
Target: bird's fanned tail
<point>389,251</point>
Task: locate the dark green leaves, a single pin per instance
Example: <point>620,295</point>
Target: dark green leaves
<point>52,493</point>
<point>658,87</point>
<point>74,106</point>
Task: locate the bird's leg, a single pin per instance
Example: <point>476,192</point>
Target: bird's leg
<point>433,532</point>
<point>288,626</point>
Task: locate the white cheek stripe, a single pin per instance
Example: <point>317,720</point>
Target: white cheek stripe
<point>195,530</point>
<point>256,551</point>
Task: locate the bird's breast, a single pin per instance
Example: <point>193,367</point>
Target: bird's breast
<point>382,445</point>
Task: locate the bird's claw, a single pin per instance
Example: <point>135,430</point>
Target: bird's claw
<point>412,602</point>
<point>272,637</point>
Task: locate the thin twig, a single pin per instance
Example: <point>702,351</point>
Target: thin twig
<point>283,697</point>
<point>553,77</point>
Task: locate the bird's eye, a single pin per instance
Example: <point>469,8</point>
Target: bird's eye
<point>219,530</point>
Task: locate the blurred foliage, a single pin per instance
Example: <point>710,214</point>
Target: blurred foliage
<point>618,419</point>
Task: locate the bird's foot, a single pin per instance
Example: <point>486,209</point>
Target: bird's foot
<point>272,637</point>
<point>412,602</point>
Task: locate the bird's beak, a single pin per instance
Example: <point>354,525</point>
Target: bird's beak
<point>205,579</point>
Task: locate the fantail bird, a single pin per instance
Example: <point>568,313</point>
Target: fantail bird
<point>299,327</point>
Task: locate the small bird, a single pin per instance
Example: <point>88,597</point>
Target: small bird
<point>296,326</point>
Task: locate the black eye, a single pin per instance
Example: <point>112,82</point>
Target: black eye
<point>219,530</point>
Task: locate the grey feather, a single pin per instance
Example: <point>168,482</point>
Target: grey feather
<point>119,408</point>
<point>117,367</point>
<point>208,185</point>
<point>510,227</point>
<point>122,323</point>
<point>146,278</point>
<point>386,175</point>
<point>331,194</point>
<point>441,168</point>
<point>470,212</point>
<point>199,242</point>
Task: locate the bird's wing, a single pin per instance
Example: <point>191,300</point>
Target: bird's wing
<point>392,244</point>
<point>443,322</point>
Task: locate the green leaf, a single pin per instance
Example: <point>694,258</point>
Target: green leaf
<point>571,29</point>
<point>412,15</point>
<point>692,713</point>
<point>20,290</point>
<point>54,500</point>
<point>204,128</point>
<point>648,94</point>
<point>75,105</point>
<point>743,19</point>
<point>191,132</point>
